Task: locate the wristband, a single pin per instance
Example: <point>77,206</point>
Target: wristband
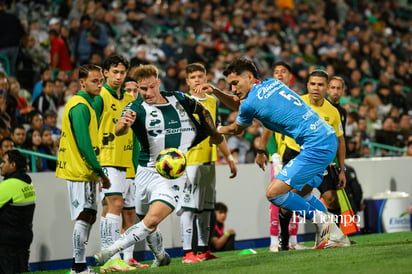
<point>230,158</point>
<point>260,151</point>
<point>227,234</point>
<point>342,169</point>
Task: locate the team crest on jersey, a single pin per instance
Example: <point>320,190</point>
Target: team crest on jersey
<point>180,108</point>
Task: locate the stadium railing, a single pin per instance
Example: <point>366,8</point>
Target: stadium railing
<point>33,155</point>
<point>376,149</point>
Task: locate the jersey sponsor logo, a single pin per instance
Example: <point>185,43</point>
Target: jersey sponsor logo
<point>113,107</point>
<point>308,114</point>
<point>96,150</point>
<point>315,125</point>
<point>154,133</point>
<point>153,123</point>
<point>170,131</point>
<point>265,92</point>
<point>107,137</point>
<point>61,164</point>
<point>128,147</point>
<point>62,149</point>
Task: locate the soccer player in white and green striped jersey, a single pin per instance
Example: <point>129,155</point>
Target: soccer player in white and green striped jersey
<point>160,120</point>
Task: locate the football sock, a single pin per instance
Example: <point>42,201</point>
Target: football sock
<point>128,252</point>
<point>274,222</point>
<point>315,202</point>
<point>293,240</point>
<point>155,242</point>
<point>113,230</point>
<point>293,202</point>
<point>203,229</point>
<point>274,240</point>
<point>103,241</point>
<point>80,236</point>
<point>284,219</point>
<point>293,225</point>
<point>134,234</point>
<point>186,229</point>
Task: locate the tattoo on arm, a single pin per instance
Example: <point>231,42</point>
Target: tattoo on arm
<point>206,119</point>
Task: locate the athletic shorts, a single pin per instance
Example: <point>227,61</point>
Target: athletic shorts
<point>308,167</point>
<point>199,192</point>
<point>330,180</point>
<point>118,185</point>
<point>130,194</point>
<point>151,187</point>
<point>82,195</point>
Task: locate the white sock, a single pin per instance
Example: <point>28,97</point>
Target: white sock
<point>103,225</point>
<point>186,229</point>
<point>155,242</point>
<point>134,234</point>
<point>203,228</point>
<point>293,240</point>
<point>274,240</point>
<point>81,232</point>
<point>113,224</point>
<point>128,252</point>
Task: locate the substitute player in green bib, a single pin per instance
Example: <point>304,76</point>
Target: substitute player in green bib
<point>77,159</point>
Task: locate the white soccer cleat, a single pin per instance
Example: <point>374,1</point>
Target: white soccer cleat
<point>102,257</point>
<point>162,262</point>
<point>274,248</point>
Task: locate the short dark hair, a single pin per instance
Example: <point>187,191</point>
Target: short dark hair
<point>195,67</point>
<point>221,207</point>
<point>18,158</point>
<point>115,60</point>
<point>319,73</point>
<point>283,64</point>
<point>85,69</point>
<point>241,65</point>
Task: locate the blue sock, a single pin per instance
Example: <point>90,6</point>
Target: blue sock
<point>315,202</point>
<point>295,203</point>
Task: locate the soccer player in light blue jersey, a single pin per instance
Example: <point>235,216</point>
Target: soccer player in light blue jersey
<point>281,110</point>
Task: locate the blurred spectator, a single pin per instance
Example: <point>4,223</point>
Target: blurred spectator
<point>11,32</point>
<point>45,75</point>
<point>370,98</point>
<point>352,148</point>
<point>6,144</point>
<point>35,120</point>
<point>59,52</point>
<point>91,38</point>
<point>405,126</point>
<point>33,142</point>
<point>47,147</point>
<point>372,121</point>
<point>354,190</point>
<point>46,100</point>
<point>18,135</point>
<point>389,136</point>
<point>398,97</point>
<point>221,239</point>
<point>50,122</point>
<point>408,149</point>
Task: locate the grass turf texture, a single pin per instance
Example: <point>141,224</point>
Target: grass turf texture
<point>373,253</point>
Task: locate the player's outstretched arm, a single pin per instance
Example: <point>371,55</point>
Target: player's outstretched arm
<point>208,124</point>
<point>223,147</point>
<point>231,101</point>
<point>126,121</point>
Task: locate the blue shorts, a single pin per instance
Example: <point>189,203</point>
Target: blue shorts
<point>309,166</point>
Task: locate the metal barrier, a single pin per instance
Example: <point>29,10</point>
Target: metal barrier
<point>33,155</point>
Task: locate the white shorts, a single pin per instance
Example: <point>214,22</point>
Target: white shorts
<point>130,194</point>
<point>199,192</point>
<point>118,185</point>
<point>82,195</point>
<point>151,187</point>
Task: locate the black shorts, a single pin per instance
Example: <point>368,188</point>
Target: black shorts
<point>288,155</point>
<point>330,180</point>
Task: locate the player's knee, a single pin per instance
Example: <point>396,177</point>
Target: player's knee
<point>152,221</point>
<point>330,199</point>
<point>87,216</point>
<point>115,203</point>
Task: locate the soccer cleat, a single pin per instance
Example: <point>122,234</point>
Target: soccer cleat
<point>274,248</point>
<point>134,263</point>
<point>116,265</point>
<point>102,257</point>
<point>324,235</point>
<point>208,255</point>
<point>190,258</point>
<point>297,247</point>
<point>162,262</point>
<point>338,238</point>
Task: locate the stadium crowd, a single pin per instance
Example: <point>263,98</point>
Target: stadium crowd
<point>368,43</point>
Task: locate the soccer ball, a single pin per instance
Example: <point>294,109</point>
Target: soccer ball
<point>171,163</point>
